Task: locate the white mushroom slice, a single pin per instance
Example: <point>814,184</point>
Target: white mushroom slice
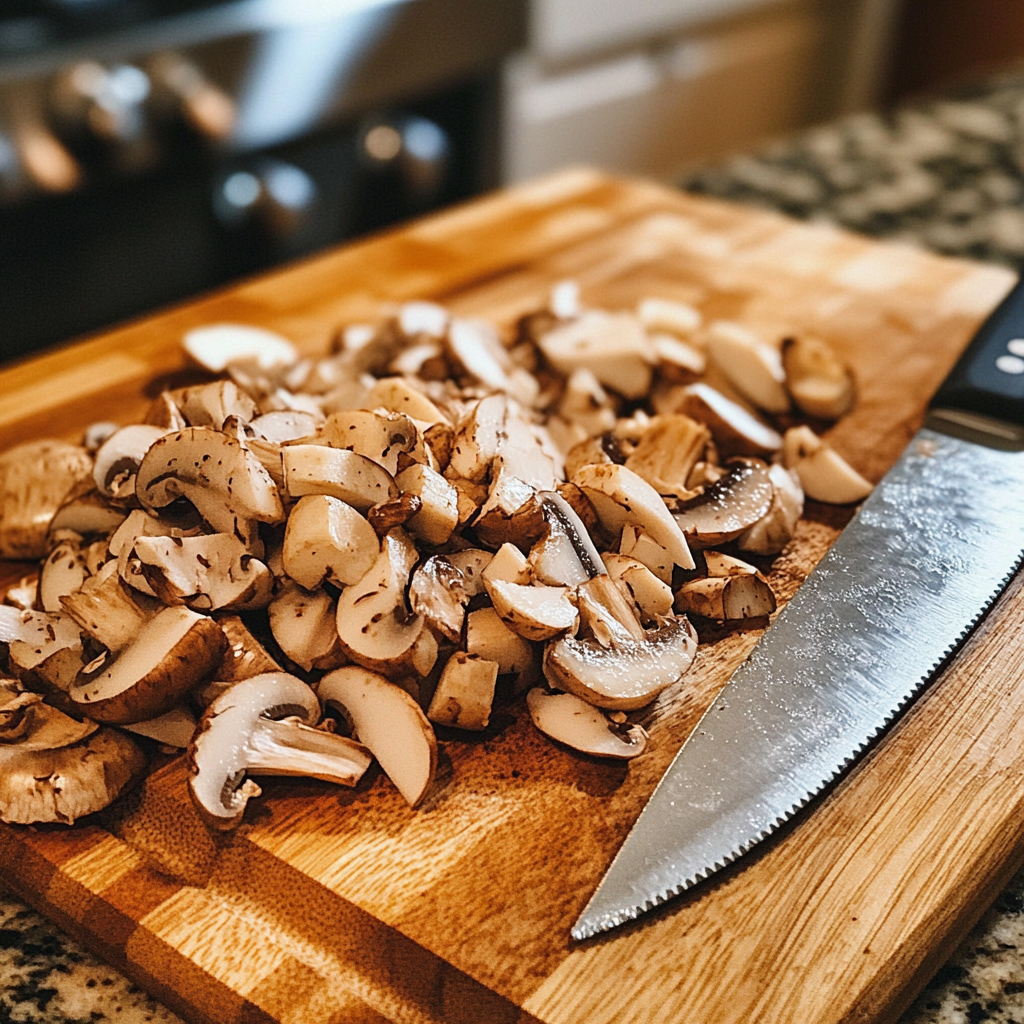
<point>174,728</point>
<point>620,497</point>
<point>63,572</point>
<point>286,425</point>
<point>353,478</point>
<point>508,564</point>
<point>223,480</point>
<point>677,318</point>
<point>23,594</point>
<point>511,510</point>
<point>475,347</point>
<point>635,543</point>
<point>607,612</point>
<point>572,721</point>
<point>327,539</point>
<point>774,530</point>
<point>750,364</point>
<point>96,433</point>
<point>564,300</point>
<point>667,452</point>
<point>465,692</point>
<point>44,650</point>
<point>479,439</point>
<point>718,563</point>
<point>490,638</point>
<point>437,591</point>
<point>375,626</point>
<point>626,675</point>
<point>727,507</point>
<point>728,598</point>
<point>585,402</point>
<point>416,318</point>
<point>212,404</point>
<point>819,381</point>
<point>382,437</point>
<point>118,458</point>
<point>164,412</point>
<point>471,563</point>
<point>652,596</point>
<point>677,358</point>
<point>86,512</point>
<point>207,573</point>
<point>264,726</point>
<point>566,555</point>
<point>103,606</point>
<point>824,474</point>
<point>217,346</point>
<point>35,478</point>
<point>304,625</point>
<point>438,516</point>
<point>537,613</point>
<point>390,723</point>
<point>612,346</point>
<point>735,431</point>
<point>394,394</point>
<point>173,652</point>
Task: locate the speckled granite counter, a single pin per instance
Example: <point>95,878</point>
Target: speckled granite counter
<point>947,174</point>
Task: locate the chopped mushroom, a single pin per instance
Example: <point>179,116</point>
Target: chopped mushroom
<point>572,721</point>
<point>820,383</point>
<point>264,726</point>
<point>464,692</point>
<point>728,507</point>
<point>824,474</point>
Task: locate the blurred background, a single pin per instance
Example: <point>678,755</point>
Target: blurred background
<point>153,149</point>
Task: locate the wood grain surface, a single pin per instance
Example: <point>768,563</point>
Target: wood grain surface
<point>330,906</point>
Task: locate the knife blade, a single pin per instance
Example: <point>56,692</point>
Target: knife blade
<point>924,558</point>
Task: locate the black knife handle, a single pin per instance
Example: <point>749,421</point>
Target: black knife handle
<point>988,379</point>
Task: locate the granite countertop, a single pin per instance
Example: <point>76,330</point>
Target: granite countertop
<point>946,174</point>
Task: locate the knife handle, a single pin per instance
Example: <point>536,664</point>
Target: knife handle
<point>988,379</point>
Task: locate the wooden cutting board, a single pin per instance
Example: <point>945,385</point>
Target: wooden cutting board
<point>331,906</point>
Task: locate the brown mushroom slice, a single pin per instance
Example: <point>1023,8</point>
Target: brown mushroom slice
<point>566,555</point>
<point>105,608</point>
<point>735,430</point>
<point>627,674</point>
<point>118,458</point>
<point>537,613</point>
<point>751,365</point>
<point>824,474</point>
<point>264,726</point>
<point>382,437</point>
<point>211,572</point>
<point>465,692</point>
<point>223,480</point>
<point>820,383</point>
<point>774,530</point>
<point>244,658</point>
<point>621,497</point>
<point>490,638</point>
<point>667,452</point>
<point>389,722</point>
<point>26,721</point>
<point>375,626</point>
<point>44,650</point>
<point>511,511</point>
<point>327,539</point>
<point>346,475</point>
<point>174,728</point>
<point>727,507</point>
<point>85,512</point>
<point>35,478</point>
<point>607,612</point>
<point>652,596</point>
<point>570,720</point>
<point>304,625</point>
<point>396,512</point>
<point>62,572</point>
<point>437,591</point>
<point>173,652</point>
<point>727,598</point>
<point>438,515</point>
<point>216,346</point>
<point>477,350</point>
<point>122,544</point>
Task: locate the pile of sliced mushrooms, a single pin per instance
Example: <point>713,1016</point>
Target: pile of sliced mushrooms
<point>308,564</point>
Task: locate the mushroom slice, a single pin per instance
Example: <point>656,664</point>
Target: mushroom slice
<point>727,507</point>
<point>572,721</point>
<point>346,475</point>
<point>621,497</point>
<point>490,638</point>
<point>35,478</point>
<point>284,425</point>
<point>677,359</point>
<point>751,365</point>
<point>85,512</point>
<point>774,530</point>
<point>537,613</point>
<point>652,596</point>
<point>819,381</point>
<point>667,452</point>
<point>627,674</point>
<point>222,479</point>
<point>382,437</point>
<point>104,607</point>
<point>677,318</point>
<point>612,346</point>
<point>636,543</point>
<point>471,563</point>
<point>26,721</point>
<point>174,728</point>
<point>476,349</point>
<point>217,346</point>
<point>173,652</point>
<point>327,539</point>
<point>508,564</point>
<point>264,726</point>
<point>212,404</point>
<point>210,572</point>
<point>437,591</point>
<point>438,515</point>
<point>734,430</point>
<point>585,402</point>
<point>727,598</point>
<point>44,650</point>
<point>566,556</point>
<point>395,394</point>
<point>396,512</point>
<point>465,692</point>
<point>118,458</point>
<point>62,572</point>
<point>303,624</point>
<point>389,722</point>
<point>824,474</point>
<point>479,439</point>
<point>375,626</point>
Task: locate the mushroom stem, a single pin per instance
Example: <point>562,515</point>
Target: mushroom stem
<point>287,747</point>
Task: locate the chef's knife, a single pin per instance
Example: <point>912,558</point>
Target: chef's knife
<point>917,567</point>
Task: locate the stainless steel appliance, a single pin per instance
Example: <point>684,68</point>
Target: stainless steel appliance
<point>153,149</point>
